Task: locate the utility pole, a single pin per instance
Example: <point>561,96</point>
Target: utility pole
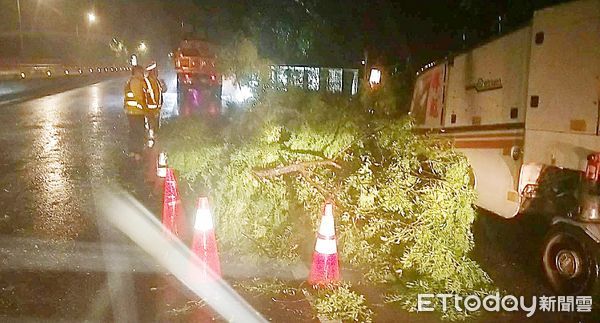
<point>21,51</point>
<point>365,64</point>
<point>499,24</point>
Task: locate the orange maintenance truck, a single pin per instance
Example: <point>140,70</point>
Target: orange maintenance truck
<point>195,65</point>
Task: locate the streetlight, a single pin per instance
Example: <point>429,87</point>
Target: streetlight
<point>91,18</point>
<point>375,77</point>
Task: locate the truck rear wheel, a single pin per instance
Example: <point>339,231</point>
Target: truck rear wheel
<point>569,261</point>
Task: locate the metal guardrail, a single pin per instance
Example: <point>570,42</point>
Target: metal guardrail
<point>39,71</point>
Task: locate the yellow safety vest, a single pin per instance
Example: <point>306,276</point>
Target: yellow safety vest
<point>135,104</point>
<point>154,94</point>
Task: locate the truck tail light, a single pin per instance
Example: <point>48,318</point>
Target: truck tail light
<point>589,199</point>
<point>592,169</point>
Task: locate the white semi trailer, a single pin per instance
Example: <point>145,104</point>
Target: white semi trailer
<point>524,108</point>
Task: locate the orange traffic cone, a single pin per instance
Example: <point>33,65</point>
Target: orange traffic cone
<point>325,267</point>
<point>204,244</point>
<point>161,165</point>
<point>172,213</point>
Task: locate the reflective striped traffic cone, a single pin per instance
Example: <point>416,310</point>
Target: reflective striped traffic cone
<point>204,244</point>
<point>325,267</point>
<point>161,165</point>
<point>172,213</point>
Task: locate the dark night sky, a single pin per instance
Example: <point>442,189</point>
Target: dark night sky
<point>390,30</point>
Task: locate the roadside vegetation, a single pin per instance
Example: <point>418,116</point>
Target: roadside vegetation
<point>402,202</point>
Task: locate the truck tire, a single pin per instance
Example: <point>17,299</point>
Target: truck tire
<point>570,261</point>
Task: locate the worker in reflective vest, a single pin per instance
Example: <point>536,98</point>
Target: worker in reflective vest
<point>135,108</point>
<point>154,98</point>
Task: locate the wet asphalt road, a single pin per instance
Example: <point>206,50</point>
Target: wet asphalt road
<point>55,151</point>
<point>55,253</point>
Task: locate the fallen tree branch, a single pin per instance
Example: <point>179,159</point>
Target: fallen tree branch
<point>267,253</point>
<point>315,153</point>
<point>298,167</point>
<point>329,195</point>
<point>326,194</point>
<point>343,150</point>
